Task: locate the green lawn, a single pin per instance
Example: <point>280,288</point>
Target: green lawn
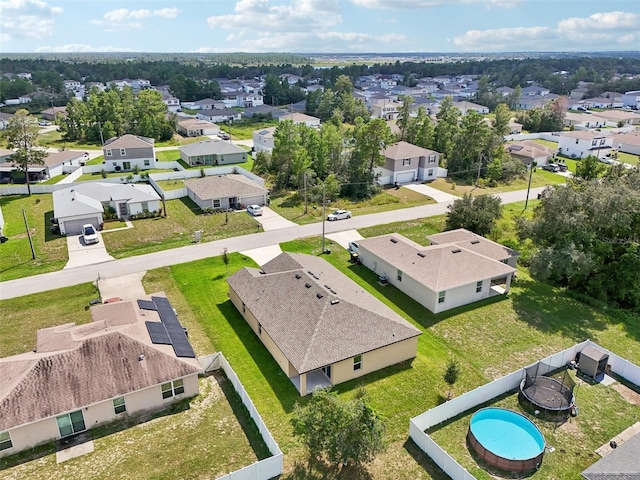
<point>88,177</point>
<point>628,158</point>
<point>16,258</point>
<point>96,161</point>
<point>243,129</point>
<point>291,205</point>
<point>168,155</point>
<point>546,143</point>
<point>168,185</point>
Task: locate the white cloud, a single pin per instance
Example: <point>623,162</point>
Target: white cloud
<point>600,31</point>
<point>123,14</point>
<point>415,4</point>
<point>80,47</point>
<point>26,19</point>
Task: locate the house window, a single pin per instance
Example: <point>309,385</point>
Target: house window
<point>479,286</point>
<point>119,406</point>
<point>431,172</point>
<point>441,297</point>
<point>70,423</point>
<point>109,153</point>
<point>593,143</point>
<point>327,371</point>
<point>432,158</point>
<point>259,329</point>
<point>357,362</point>
<point>406,161</point>
<point>123,152</point>
<point>145,206</point>
<point>5,441</point>
<point>172,388</point>
<point>399,275</point>
<point>602,142</point>
<point>216,203</point>
<point>147,162</point>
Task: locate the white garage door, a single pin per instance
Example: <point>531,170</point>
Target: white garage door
<point>405,177</point>
<point>74,227</point>
<point>253,200</point>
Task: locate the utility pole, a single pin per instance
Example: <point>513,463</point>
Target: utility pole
<point>526,202</point>
<point>479,168</point>
<point>101,137</point>
<point>324,216</point>
<point>26,225</point>
<point>306,207</point>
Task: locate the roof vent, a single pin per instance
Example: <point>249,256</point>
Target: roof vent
<point>327,287</point>
<point>262,272</point>
<point>393,240</point>
<point>333,291</point>
<point>316,277</point>
<point>140,358</point>
<point>421,254</point>
<point>310,272</point>
<point>308,285</point>
<point>319,295</point>
<point>335,302</point>
<point>298,276</point>
<point>456,250</point>
<point>473,242</point>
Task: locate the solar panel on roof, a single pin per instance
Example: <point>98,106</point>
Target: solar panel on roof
<point>146,305</point>
<point>158,333</point>
<point>179,340</point>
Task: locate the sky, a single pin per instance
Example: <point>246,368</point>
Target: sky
<point>318,26</point>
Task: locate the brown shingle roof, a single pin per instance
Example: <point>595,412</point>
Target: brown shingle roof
<point>438,267</point>
<point>76,366</point>
<point>221,186</point>
<point>474,242</point>
<point>129,141</point>
<point>402,150</point>
<point>311,330</point>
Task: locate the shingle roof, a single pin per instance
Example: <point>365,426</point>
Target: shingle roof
<point>402,150</point>
<point>330,320</point>
<point>583,134</point>
<point>88,197</point>
<point>129,141</point>
<point>221,186</point>
<point>76,366</point>
<point>438,267</point>
<point>196,122</point>
<point>623,463</point>
<point>474,242</point>
<point>211,147</point>
<point>57,158</point>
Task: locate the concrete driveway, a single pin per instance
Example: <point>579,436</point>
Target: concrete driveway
<point>270,220</point>
<point>125,287</point>
<point>438,195</point>
<point>343,238</point>
<point>81,254</point>
<point>263,255</point>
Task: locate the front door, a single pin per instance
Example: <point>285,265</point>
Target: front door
<point>232,202</point>
<point>71,423</point>
<point>327,371</point>
<point>124,210</point>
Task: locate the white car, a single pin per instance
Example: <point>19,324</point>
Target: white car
<point>353,247</point>
<point>255,210</point>
<point>89,234</point>
<point>339,215</point>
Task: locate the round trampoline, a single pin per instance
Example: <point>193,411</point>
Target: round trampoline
<point>506,440</point>
<point>547,393</point>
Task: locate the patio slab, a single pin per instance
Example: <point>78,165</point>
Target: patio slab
<point>74,451</point>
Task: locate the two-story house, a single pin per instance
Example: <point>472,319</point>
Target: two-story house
<point>405,162</point>
<point>581,144</point>
<point>128,152</point>
<point>263,139</point>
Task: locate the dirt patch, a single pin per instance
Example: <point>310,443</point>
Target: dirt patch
<point>626,393</point>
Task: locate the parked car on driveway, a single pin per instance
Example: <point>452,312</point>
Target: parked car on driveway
<point>89,234</point>
<point>607,160</point>
<point>562,166</point>
<point>339,215</point>
<point>353,247</point>
<point>551,167</point>
<point>255,210</point>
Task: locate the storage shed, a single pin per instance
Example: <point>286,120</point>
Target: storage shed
<point>592,362</point>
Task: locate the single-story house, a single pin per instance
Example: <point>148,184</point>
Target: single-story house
<point>476,243</point>
<point>583,120</point>
<point>297,117</point>
<point>528,151</point>
<point>225,191</point>
<point>217,116</point>
<point>208,104</point>
<point>405,162</point>
<point>263,139</point>
<point>85,203</point>
<point>320,326</point>
<point>128,360</point>
<point>621,463</point>
<point>439,277</point>
<point>465,106</point>
<point>53,113</point>
<point>54,164</point>
<point>128,152</point>
<point>581,144</point>
<point>631,99</point>
<point>627,142</point>
<point>4,119</point>
<point>194,127</point>
<point>213,152</point>
<point>615,118</point>
<point>264,110</point>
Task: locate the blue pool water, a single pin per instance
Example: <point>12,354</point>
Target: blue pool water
<point>507,434</point>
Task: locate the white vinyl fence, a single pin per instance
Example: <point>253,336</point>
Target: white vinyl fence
<point>480,395</point>
<point>264,469</point>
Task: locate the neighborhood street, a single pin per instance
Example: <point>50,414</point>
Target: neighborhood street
<point>114,268</point>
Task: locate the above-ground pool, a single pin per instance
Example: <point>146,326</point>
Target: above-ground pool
<point>506,440</point>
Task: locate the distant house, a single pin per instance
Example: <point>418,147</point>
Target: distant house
<point>128,152</point>
<point>55,164</point>
<point>320,326</point>
<point>217,116</point>
<point>405,162</point>
<point>212,152</point>
<point>52,113</point>
<point>442,276</point>
<point>263,139</point>
<point>581,144</point>
<point>86,202</point>
<point>5,118</point>
<point>265,111</point>
<point>385,108</point>
<point>465,106</point>
<point>126,361</point>
<point>631,99</point>
<point>208,104</point>
<point>528,152</point>
<point>225,191</point>
<point>603,102</point>
<point>627,142</point>
<point>583,120</point>
<point>194,127</point>
<point>617,118</point>
<point>303,118</point>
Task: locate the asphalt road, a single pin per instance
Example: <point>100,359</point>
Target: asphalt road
<point>114,268</point>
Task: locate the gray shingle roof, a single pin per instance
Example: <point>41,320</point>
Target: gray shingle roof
<point>221,186</point>
<point>211,147</point>
<point>402,150</point>
<point>76,366</point>
<point>330,320</point>
<point>438,267</point>
<point>474,242</point>
<point>623,463</point>
<point>129,141</point>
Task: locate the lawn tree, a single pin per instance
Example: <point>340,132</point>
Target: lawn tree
<point>421,130</point>
<point>21,134</point>
<point>451,375</point>
<point>589,168</point>
<point>404,117</point>
<point>586,238</point>
<point>343,432</point>
<point>446,131</point>
<point>225,259</point>
<point>513,99</point>
<point>501,120</point>
<point>472,139</point>
<point>478,214</point>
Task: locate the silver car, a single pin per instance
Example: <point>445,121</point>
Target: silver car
<point>339,215</point>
